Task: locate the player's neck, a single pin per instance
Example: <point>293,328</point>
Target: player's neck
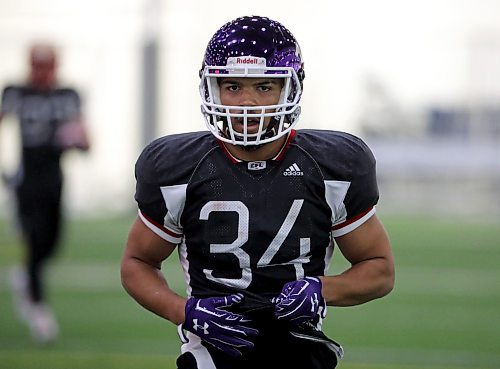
<point>265,152</point>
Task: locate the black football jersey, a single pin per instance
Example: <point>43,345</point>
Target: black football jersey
<point>40,114</point>
<point>254,226</point>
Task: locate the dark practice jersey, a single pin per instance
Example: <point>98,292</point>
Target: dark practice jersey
<point>40,114</point>
<point>254,226</point>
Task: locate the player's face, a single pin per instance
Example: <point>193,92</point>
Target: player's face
<point>250,92</point>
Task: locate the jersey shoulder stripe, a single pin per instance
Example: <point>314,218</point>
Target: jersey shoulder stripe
<point>348,167</point>
<point>162,172</point>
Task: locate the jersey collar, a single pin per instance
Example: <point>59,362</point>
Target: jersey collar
<point>277,157</point>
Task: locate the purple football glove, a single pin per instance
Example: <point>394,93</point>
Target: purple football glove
<point>208,319</point>
<point>300,301</point>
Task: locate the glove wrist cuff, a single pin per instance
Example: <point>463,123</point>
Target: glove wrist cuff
<point>182,334</point>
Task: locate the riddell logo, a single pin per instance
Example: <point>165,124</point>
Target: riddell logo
<point>254,61</point>
<point>250,61</point>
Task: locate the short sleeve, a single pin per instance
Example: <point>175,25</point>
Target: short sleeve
<point>69,104</point>
<point>361,194</point>
<point>149,198</point>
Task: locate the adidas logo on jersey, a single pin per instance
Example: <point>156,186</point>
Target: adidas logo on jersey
<point>293,170</point>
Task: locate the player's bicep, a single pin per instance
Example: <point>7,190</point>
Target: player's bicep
<point>145,245</point>
<point>368,241</point>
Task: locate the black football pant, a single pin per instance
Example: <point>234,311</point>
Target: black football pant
<point>275,348</point>
<point>39,212</point>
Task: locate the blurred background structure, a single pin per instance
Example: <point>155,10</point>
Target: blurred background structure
<point>424,76</point>
<point>420,81</point>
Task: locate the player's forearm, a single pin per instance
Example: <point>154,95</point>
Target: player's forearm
<point>149,288</point>
<point>363,282</point>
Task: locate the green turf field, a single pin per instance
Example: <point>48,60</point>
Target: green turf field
<point>444,312</point>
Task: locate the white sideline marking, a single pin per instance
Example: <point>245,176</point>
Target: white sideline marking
<point>421,358</point>
<point>441,281</point>
<point>89,276</point>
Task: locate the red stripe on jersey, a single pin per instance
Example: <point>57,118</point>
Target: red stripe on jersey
<point>285,146</point>
<point>352,220</point>
<point>277,157</point>
<point>167,231</point>
<point>228,154</point>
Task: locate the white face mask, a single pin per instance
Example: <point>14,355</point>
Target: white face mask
<point>218,117</point>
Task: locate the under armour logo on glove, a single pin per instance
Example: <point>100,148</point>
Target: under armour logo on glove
<point>203,327</point>
<point>228,332</point>
<point>300,301</point>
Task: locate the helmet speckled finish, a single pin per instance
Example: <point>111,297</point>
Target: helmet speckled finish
<point>258,47</point>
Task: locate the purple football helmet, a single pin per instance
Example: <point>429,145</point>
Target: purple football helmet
<point>255,47</point>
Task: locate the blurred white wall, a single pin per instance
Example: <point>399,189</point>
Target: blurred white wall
<point>425,51</point>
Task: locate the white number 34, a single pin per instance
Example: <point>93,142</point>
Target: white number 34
<point>235,247</point>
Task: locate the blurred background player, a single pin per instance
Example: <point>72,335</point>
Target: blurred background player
<point>50,122</point>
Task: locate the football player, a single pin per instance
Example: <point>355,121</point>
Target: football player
<point>50,123</point>
<point>254,209</point>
